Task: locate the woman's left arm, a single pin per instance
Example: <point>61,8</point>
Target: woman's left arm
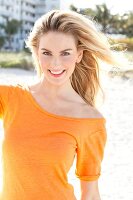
<point>89,190</point>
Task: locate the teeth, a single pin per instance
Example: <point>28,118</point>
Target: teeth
<point>59,72</point>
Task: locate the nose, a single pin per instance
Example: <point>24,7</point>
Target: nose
<point>55,63</point>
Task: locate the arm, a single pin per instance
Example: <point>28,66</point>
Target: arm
<point>90,153</point>
<point>89,190</point>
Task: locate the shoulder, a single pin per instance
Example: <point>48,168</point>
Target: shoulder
<point>92,112</point>
<point>86,110</point>
<point>8,89</point>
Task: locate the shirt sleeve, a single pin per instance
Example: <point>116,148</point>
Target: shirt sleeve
<point>90,153</point>
<point>4,93</point>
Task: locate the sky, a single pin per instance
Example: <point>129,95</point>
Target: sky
<point>116,6</point>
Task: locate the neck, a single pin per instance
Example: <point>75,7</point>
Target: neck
<point>55,92</point>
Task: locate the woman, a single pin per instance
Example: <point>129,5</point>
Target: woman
<point>48,124</point>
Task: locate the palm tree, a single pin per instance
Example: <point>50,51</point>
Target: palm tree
<point>128,27</point>
<point>73,8</point>
<point>2,41</point>
<point>11,28</point>
<point>103,16</point>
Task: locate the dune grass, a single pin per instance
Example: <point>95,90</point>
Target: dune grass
<point>129,55</point>
<point>21,60</point>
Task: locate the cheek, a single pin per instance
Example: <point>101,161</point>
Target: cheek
<point>69,64</point>
<point>44,61</point>
<point>70,60</point>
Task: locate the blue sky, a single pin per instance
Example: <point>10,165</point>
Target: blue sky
<point>116,6</point>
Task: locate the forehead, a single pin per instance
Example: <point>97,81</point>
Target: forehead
<point>57,39</point>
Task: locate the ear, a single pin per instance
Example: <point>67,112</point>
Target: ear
<point>80,55</point>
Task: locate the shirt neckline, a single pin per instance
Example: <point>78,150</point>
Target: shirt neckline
<point>28,92</point>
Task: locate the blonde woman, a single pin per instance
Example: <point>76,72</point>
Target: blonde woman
<point>50,123</point>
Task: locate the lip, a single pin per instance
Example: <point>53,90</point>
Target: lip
<point>57,75</point>
<point>56,70</point>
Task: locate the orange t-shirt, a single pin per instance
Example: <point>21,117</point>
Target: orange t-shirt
<point>39,148</point>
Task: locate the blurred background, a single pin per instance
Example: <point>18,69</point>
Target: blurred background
<point>115,19</point>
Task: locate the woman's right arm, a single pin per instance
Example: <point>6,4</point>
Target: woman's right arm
<point>4,98</point>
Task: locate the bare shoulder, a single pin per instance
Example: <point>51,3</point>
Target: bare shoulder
<point>92,112</point>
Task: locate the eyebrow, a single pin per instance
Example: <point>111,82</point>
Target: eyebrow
<point>60,51</point>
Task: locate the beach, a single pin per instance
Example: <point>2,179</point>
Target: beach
<point>116,180</point>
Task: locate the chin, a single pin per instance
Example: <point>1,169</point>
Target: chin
<point>58,82</point>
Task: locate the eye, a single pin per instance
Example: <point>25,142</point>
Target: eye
<point>46,53</point>
<point>66,53</point>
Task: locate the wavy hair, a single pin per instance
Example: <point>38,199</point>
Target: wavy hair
<point>85,78</point>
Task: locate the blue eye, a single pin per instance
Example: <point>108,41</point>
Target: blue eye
<point>66,53</point>
<point>46,53</point>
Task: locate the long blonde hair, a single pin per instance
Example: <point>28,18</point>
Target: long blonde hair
<point>85,78</point>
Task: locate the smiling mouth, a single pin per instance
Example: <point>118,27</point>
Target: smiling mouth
<point>56,74</point>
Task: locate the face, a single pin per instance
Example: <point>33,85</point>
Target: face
<point>57,55</point>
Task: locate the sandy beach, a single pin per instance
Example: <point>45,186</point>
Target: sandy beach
<point>116,180</point>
